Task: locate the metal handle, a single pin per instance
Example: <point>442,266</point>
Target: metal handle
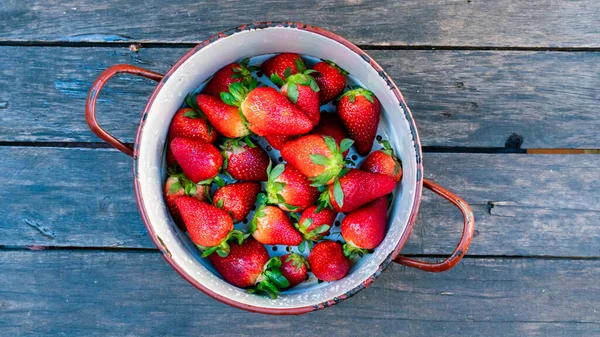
<point>90,104</point>
<point>463,244</point>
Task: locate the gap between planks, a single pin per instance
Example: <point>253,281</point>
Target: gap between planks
<point>426,149</point>
<point>137,44</point>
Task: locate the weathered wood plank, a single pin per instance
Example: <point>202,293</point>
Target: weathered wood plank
<point>550,23</point>
<point>459,98</point>
<point>97,293</point>
<point>85,197</point>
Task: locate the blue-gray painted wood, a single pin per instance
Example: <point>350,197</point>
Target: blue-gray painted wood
<point>458,98</point>
<point>542,204</point>
<point>382,23</point>
<point>95,293</point>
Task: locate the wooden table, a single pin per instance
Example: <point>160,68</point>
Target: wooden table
<point>490,83</point>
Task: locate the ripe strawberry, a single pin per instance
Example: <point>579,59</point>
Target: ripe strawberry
<point>189,123</point>
<point>331,79</point>
<point>314,226</point>
<point>199,161</point>
<point>280,66</point>
<point>303,90</point>
<point>331,125</point>
<point>289,189</point>
<point>267,112</point>
<point>225,118</point>
<point>231,73</point>
<point>294,269</point>
<point>359,111</point>
<point>384,162</point>
<point>271,226</point>
<point>356,188</point>
<point>178,185</point>
<point>364,228</point>
<point>237,199</point>
<point>277,141</point>
<point>248,265</point>
<point>245,161</point>
<point>209,227</point>
<point>327,261</point>
<point>316,156</point>
<point>171,162</point>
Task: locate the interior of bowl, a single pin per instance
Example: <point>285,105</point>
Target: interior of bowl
<point>189,75</point>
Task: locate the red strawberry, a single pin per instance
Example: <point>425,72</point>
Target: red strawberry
<point>277,141</point>
<point>271,226</point>
<point>330,125</point>
<point>279,67</point>
<point>209,227</point>
<point>170,157</point>
<point>231,73</point>
<point>327,261</point>
<point>316,156</point>
<point>248,265</point>
<point>237,199</point>
<point>245,161</point>
<point>294,269</point>
<point>364,228</point>
<point>331,80</point>
<point>290,189</point>
<point>225,118</point>
<point>303,90</point>
<point>314,226</point>
<point>199,161</point>
<point>384,162</point>
<point>359,111</point>
<point>267,111</point>
<point>355,189</point>
<point>189,123</point>
<point>178,185</point>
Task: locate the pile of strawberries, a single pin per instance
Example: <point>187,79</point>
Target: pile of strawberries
<point>302,197</point>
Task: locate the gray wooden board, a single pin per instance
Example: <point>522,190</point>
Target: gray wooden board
<point>120,293</point>
<point>458,98</point>
<point>550,23</point>
<point>543,204</point>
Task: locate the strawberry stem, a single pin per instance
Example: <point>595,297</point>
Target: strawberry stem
<point>353,252</point>
<point>271,281</point>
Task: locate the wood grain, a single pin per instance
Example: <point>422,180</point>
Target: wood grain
<point>458,98</point>
<point>542,204</point>
<point>505,23</point>
<point>97,293</point>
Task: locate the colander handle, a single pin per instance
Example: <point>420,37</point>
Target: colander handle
<point>90,104</point>
<point>463,244</point>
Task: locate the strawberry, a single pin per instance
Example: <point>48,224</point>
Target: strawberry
<point>190,123</point>
<point>331,80</point>
<point>271,226</point>
<point>225,118</point>
<point>354,189</point>
<point>277,141</point>
<point>245,160</point>
<point>330,125</point>
<point>359,111</point>
<point>231,73</point>
<point>294,269</point>
<point>327,261</point>
<point>289,189</point>
<point>316,156</point>
<point>267,112</point>
<point>384,162</point>
<point>314,226</point>
<point>177,185</point>
<point>364,228</point>
<point>248,265</point>
<point>209,227</point>
<point>170,158</point>
<point>303,91</point>
<point>280,66</point>
<point>237,199</point>
<point>199,161</point>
